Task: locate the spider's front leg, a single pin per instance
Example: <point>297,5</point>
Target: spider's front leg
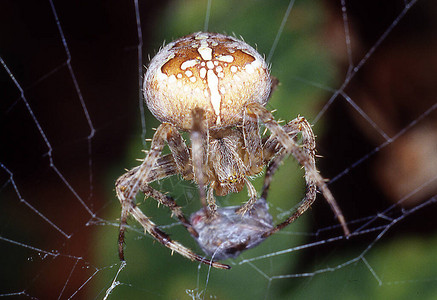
<point>254,158</point>
<point>302,156</point>
<point>128,185</point>
<point>275,153</point>
<point>199,157</point>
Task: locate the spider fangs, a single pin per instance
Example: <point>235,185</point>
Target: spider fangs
<point>215,87</point>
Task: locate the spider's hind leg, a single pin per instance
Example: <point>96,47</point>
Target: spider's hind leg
<point>302,156</point>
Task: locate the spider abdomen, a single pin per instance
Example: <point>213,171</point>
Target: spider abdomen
<point>211,71</point>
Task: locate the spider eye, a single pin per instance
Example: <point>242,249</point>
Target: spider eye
<point>232,178</point>
<point>215,72</point>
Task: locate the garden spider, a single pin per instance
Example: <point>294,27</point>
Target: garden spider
<point>215,87</point>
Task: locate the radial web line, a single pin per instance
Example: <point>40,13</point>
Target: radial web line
<point>82,102</point>
<point>28,246</point>
<point>68,279</point>
<point>294,249</point>
<point>47,144</point>
<point>279,33</point>
<point>364,59</point>
<point>84,284</point>
<point>384,213</point>
<point>347,36</point>
<point>385,144</point>
<point>140,72</point>
<point>372,270</point>
<point>366,117</point>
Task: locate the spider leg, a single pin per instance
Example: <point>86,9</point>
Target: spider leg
<point>252,199</point>
<point>308,144</point>
<point>199,152</point>
<point>252,143</point>
<point>254,159</point>
<point>164,239</point>
<point>164,167</point>
<point>210,199</point>
<point>257,110</point>
<point>170,203</point>
<point>274,152</point>
<point>122,230</point>
<point>270,171</point>
<point>128,185</point>
<point>254,152</point>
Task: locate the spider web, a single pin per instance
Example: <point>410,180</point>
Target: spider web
<point>72,118</point>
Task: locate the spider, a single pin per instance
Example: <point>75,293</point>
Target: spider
<point>215,88</point>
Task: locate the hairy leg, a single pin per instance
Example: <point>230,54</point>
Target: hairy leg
<point>170,203</point>
<point>253,144</point>
<point>274,152</point>
<point>163,238</point>
<point>153,168</point>
<point>259,111</point>
<point>199,157</point>
<point>308,144</point>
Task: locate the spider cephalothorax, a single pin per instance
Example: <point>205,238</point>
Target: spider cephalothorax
<point>215,87</point>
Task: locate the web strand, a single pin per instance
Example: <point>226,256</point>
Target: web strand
<point>354,69</point>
